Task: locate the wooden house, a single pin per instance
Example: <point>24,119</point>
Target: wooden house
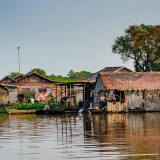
<point>90,81</point>
<point>128,91</point>
<point>40,86</point>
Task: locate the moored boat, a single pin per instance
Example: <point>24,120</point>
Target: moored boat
<point>28,111</point>
<point>10,111</point>
<point>55,110</point>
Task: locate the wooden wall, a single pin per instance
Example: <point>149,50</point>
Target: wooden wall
<point>3,95</point>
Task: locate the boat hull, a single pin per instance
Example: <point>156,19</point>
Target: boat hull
<point>21,111</point>
<point>55,110</point>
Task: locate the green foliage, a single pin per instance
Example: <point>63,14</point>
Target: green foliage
<point>78,75</point>
<point>40,71</point>
<point>2,110</point>
<point>82,74</point>
<point>30,106</point>
<point>28,96</point>
<point>15,74</point>
<point>71,76</point>
<point>142,44</point>
<point>61,79</point>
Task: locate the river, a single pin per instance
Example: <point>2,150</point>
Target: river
<point>73,136</point>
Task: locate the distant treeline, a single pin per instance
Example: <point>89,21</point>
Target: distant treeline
<point>72,76</point>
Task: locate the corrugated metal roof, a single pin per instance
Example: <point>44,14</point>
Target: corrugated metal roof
<point>106,70</point>
<point>148,81</point>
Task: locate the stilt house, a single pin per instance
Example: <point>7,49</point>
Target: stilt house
<point>128,91</point>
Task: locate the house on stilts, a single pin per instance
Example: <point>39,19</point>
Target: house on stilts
<point>128,91</point>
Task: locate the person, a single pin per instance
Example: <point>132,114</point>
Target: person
<point>32,100</point>
<point>74,101</point>
<point>80,103</point>
<point>46,107</point>
<point>90,104</point>
<point>62,101</point>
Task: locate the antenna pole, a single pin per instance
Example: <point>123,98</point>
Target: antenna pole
<point>18,58</point>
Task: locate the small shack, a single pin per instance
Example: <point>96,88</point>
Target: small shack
<point>3,94</point>
<point>12,93</point>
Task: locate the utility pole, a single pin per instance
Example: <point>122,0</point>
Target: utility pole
<point>18,58</point>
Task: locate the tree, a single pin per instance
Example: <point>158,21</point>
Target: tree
<point>14,74</point>
<point>78,75</point>
<point>71,74</point>
<point>39,71</point>
<point>82,74</point>
<point>142,44</point>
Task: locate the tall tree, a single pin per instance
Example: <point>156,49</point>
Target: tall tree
<point>142,44</point>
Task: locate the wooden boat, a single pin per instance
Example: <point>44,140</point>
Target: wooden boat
<point>55,110</point>
<point>9,111</point>
<point>29,111</point>
<point>72,110</point>
<point>33,111</point>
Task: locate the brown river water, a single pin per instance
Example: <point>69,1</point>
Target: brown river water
<point>73,136</point>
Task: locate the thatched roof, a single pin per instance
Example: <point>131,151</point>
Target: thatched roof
<point>131,81</point>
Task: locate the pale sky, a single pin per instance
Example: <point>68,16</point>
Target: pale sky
<point>60,35</point>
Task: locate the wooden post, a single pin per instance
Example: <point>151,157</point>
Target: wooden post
<point>61,91</point>
<point>84,101</point>
<point>65,96</point>
<point>65,89</point>
<point>56,93</point>
<point>107,99</point>
<point>120,102</point>
<point>70,95</point>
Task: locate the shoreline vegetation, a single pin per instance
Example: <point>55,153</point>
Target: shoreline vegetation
<point>72,76</point>
<point>28,106</point>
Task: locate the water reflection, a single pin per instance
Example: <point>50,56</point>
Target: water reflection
<point>72,136</point>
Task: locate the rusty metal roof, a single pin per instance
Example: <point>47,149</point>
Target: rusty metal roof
<point>147,81</point>
<point>106,70</point>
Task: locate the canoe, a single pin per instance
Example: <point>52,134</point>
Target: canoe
<point>55,110</point>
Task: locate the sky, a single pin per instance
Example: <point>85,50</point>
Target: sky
<point>62,35</point>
